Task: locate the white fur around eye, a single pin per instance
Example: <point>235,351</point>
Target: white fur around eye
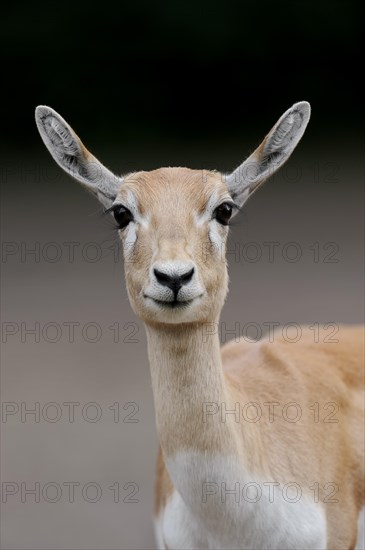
<point>208,212</point>
<point>129,238</point>
<point>129,235</point>
<point>216,236</point>
<point>130,201</point>
<point>217,232</point>
<point>213,202</point>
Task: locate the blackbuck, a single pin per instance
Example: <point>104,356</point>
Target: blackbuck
<point>224,478</point>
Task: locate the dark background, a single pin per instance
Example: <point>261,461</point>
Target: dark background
<point>147,84</point>
<point>144,71</point>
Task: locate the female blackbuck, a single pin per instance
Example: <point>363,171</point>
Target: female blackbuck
<point>247,458</point>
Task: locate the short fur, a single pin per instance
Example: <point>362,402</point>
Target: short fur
<point>212,448</point>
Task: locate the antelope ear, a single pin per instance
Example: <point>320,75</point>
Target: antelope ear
<point>69,152</point>
<point>276,148</point>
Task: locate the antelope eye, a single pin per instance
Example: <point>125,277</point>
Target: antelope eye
<point>223,213</point>
<point>122,215</point>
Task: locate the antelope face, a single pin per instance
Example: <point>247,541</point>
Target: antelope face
<point>173,225</point>
<point>173,221</point>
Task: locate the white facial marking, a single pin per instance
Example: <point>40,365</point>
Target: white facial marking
<point>132,204</point>
<point>130,232</point>
<point>207,217</point>
<point>213,202</point>
<point>208,213</point>
<point>215,237</point>
<point>130,238</point>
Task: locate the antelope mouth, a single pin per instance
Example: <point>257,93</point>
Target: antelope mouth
<point>171,304</point>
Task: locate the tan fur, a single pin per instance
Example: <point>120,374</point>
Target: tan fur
<point>189,369</point>
<point>172,197</point>
<point>304,372</point>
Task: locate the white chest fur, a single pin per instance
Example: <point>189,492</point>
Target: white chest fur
<point>219,505</point>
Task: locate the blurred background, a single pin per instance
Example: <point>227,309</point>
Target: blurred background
<point>148,84</point>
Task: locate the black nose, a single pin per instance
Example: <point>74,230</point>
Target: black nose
<point>174,281</point>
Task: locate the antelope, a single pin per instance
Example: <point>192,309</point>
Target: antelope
<point>226,478</point>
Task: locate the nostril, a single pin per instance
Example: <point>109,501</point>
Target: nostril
<point>186,278</point>
<point>173,280</point>
<point>162,278</point>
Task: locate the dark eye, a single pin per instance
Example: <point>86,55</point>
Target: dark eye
<point>122,215</point>
<point>223,213</point>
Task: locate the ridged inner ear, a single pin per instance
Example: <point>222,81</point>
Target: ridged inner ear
<point>69,152</point>
<point>275,149</point>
